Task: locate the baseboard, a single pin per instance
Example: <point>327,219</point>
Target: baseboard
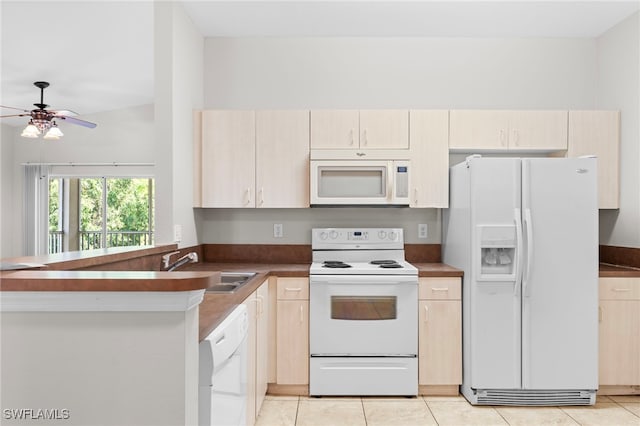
<point>439,390</point>
<point>619,390</point>
<point>289,390</point>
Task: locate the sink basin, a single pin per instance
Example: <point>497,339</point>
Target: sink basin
<point>230,282</point>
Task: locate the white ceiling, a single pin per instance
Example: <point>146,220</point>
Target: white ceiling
<point>98,55</point>
<point>426,18</point>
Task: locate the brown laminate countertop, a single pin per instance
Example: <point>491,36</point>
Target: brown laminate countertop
<point>87,258</point>
<point>437,270</point>
<point>609,271</point>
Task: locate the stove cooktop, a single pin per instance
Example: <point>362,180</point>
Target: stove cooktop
<point>375,267</point>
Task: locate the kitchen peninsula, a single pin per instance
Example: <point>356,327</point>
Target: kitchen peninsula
<point>117,346</point>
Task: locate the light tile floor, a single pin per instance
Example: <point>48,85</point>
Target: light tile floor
<point>453,411</point>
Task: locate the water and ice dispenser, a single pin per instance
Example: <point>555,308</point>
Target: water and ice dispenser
<point>497,257</point>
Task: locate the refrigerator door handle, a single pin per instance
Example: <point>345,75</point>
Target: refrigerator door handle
<point>527,266</point>
<point>518,271</point>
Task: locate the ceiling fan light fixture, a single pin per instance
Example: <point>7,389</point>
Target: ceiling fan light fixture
<point>54,132</point>
<point>31,131</point>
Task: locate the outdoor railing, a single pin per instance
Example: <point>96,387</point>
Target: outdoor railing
<point>93,239</point>
<point>55,241</point>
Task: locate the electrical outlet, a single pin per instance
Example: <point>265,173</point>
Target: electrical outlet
<point>177,233</point>
<point>422,230</point>
<point>278,230</point>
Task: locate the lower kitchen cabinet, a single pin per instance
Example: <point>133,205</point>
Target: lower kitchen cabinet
<point>292,330</point>
<point>619,337</point>
<point>257,359</point>
<point>439,335</point>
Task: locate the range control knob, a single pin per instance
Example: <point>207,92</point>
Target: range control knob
<point>393,235</point>
<point>323,235</point>
<point>382,235</point>
<point>334,235</point>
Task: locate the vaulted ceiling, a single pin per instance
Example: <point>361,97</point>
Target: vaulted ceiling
<point>98,55</point>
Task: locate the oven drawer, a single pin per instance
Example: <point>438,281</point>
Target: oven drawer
<point>363,376</point>
<point>438,288</point>
<point>290,288</point>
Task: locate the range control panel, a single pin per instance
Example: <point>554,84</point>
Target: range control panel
<point>364,237</point>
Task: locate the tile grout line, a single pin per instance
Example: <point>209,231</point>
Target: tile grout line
<point>430,412</point>
<point>295,420</point>
<point>500,414</point>
<point>623,407</point>
<point>364,414</point>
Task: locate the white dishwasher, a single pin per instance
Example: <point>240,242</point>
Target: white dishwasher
<point>223,373</point>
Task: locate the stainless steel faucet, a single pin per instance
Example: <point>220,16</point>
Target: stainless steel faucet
<point>187,258</point>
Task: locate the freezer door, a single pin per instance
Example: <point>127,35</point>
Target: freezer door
<point>492,302</point>
<point>560,276</point>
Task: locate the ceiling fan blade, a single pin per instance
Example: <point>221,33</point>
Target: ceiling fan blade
<point>64,112</point>
<point>15,115</point>
<point>77,121</point>
<point>19,109</point>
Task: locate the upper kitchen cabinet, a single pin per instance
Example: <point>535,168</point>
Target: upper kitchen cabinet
<point>598,133</point>
<point>228,159</point>
<point>282,153</point>
<point>335,129</point>
<point>493,130</point>
<point>365,129</point>
<point>429,154</point>
<point>252,159</point>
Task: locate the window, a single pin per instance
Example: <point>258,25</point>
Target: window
<point>97,212</point>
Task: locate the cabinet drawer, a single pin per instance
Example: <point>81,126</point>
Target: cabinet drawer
<point>619,288</point>
<point>435,288</point>
<point>293,288</point>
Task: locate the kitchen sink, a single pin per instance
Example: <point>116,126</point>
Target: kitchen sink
<point>230,282</point>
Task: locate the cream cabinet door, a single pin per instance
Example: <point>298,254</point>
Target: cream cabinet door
<point>429,153</point>
<point>439,331</point>
<point>478,129</point>
<point>292,342</point>
<point>537,130</point>
<point>334,129</point>
<point>598,133</point>
<point>440,342</point>
<point>228,159</point>
<point>262,343</point>
<point>508,130</point>
<point>384,129</point>
<point>282,159</point>
<point>619,354</point>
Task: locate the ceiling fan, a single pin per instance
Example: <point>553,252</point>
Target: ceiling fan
<point>43,120</point>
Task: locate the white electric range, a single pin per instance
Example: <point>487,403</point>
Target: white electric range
<point>363,308</point>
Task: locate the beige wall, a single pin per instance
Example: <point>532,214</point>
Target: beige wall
<point>619,88</point>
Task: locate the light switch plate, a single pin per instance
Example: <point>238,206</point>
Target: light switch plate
<point>278,230</point>
<point>177,233</point>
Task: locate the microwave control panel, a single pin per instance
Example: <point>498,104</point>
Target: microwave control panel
<point>402,181</point>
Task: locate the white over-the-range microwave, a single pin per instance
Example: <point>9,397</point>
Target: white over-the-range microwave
<point>359,182</point>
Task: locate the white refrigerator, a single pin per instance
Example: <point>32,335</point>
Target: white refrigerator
<point>525,233</point>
